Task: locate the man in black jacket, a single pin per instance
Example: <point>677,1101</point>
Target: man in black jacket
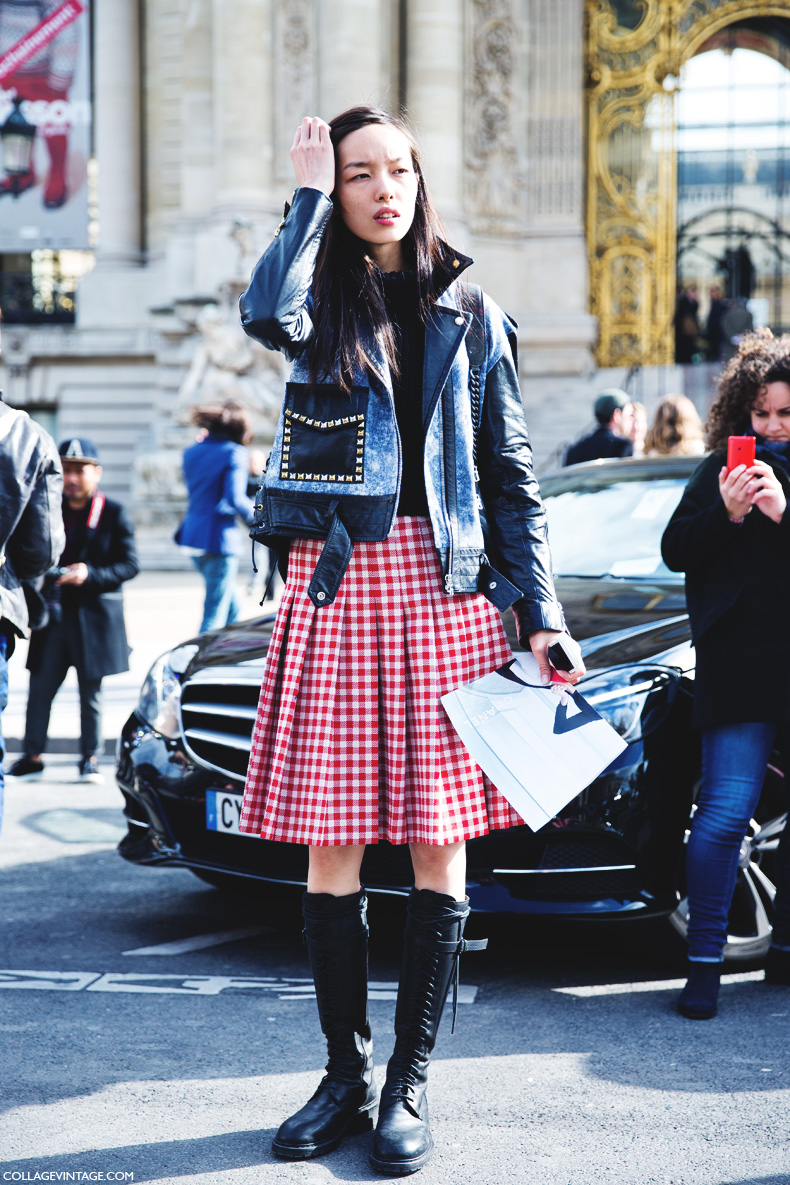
<point>608,439</point>
<point>31,528</point>
<point>86,627</point>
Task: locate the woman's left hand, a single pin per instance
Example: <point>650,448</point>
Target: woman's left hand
<point>770,497</point>
<point>539,643</point>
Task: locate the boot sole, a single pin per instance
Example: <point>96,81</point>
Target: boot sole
<point>401,1168</point>
<point>697,1013</point>
<point>363,1121</point>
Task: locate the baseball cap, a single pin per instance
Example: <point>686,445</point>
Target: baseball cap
<point>608,402</point>
<point>79,448</point>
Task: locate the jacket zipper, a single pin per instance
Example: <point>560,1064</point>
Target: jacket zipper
<point>449,579</point>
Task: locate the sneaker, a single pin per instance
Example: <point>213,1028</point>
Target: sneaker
<point>26,768</point>
<point>89,771</point>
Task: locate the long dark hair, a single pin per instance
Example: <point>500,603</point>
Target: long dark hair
<point>347,291</point>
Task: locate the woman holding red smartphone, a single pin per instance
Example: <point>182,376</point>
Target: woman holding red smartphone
<point>730,535</point>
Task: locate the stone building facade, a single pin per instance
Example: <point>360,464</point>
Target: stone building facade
<point>196,103</point>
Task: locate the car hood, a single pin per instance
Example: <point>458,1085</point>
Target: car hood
<point>646,635</point>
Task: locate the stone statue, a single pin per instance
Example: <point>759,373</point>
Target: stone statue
<point>226,364</point>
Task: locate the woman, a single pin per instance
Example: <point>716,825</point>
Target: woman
<point>377,451</point>
<point>730,534</point>
<point>216,469</point>
<point>676,429</point>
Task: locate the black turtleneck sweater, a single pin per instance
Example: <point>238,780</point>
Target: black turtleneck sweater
<point>400,295</point>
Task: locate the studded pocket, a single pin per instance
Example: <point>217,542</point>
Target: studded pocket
<point>324,434</point>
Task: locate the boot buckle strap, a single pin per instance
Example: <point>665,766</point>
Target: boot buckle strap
<point>463,945</point>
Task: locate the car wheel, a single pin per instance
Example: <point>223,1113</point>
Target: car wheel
<point>749,927</point>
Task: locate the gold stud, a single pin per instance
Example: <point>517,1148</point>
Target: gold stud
<point>456,263</point>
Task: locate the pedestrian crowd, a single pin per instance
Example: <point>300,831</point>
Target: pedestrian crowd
<point>401,504</point>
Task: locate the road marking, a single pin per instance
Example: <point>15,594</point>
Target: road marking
<point>200,941</point>
<point>53,981</point>
<point>290,987</point>
<point>654,985</point>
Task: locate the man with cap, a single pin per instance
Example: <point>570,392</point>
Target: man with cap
<point>86,627</point>
<point>608,439</point>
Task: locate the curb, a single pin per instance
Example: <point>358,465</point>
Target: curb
<point>13,746</point>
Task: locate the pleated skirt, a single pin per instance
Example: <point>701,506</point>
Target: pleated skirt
<point>351,743</point>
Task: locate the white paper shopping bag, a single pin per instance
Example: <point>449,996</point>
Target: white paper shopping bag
<point>539,749</point>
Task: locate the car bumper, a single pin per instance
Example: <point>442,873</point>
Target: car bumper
<point>580,865</point>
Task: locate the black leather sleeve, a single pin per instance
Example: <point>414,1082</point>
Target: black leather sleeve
<point>517,529</point>
<point>274,307</point>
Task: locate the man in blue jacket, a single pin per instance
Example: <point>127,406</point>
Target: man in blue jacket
<point>216,471</point>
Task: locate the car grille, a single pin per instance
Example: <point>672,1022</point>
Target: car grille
<point>218,708</point>
<point>581,867</point>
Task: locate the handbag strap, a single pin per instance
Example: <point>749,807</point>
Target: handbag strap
<point>476,353</point>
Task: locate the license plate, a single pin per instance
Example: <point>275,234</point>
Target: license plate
<point>223,812</point>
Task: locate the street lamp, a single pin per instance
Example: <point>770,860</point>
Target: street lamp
<point>16,136</point>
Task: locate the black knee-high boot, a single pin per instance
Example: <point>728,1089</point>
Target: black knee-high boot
<point>336,932</point>
<point>432,945</point>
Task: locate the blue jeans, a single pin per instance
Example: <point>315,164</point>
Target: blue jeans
<point>734,760</point>
<point>3,702</point>
<point>220,606</point>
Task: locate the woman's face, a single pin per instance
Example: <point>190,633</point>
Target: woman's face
<point>771,412</point>
<point>376,188</point>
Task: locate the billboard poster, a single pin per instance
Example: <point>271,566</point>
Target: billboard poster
<point>45,124</point>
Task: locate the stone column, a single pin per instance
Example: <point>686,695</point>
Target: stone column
<point>197,123</point>
<point>558,332</point>
<point>242,103</point>
<point>117,130</point>
<point>350,48</point>
<point>435,96</point>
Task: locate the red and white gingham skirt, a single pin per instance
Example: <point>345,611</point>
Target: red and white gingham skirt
<point>351,744</point>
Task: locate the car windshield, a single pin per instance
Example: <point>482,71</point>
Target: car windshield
<point>610,524</point>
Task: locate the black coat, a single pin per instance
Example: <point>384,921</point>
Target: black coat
<point>97,605</point>
<point>737,583</point>
<point>603,442</point>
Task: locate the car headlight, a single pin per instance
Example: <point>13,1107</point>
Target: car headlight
<point>623,697</point>
<point>160,694</point>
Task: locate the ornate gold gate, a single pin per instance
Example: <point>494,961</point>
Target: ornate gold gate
<point>634,53</point>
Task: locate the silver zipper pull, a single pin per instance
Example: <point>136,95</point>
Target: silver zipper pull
<point>448,582</point>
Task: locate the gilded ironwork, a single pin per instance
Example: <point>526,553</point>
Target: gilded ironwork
<point>635,50</point>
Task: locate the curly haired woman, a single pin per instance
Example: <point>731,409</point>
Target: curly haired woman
<point>731,536</point>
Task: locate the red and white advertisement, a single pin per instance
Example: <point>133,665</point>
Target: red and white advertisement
<point>45,124</point>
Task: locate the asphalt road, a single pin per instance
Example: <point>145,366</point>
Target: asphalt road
<point>178,1064</point>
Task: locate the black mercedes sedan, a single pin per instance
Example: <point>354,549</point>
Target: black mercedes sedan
<point>615,851</point>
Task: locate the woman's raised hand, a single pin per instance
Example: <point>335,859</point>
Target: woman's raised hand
<point>313,155</point>
<point>769,497</point>
<point>737,486</point>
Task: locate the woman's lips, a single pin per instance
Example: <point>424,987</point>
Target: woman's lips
<point>387,217</point>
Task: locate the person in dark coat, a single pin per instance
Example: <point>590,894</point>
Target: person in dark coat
<point>608,439</point>
<point>216,472</point>
<point>730,534</point>
<point>714,333</point>
<point>686,324</point>
<point>86,627</point>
